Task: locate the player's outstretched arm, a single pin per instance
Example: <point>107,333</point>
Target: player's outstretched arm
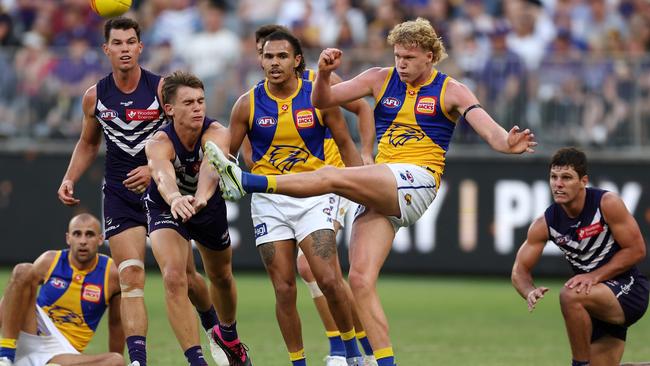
<point>85,151</point>
<point>208,175</point>
<point>334,120</point>
<point>116,337</point>
<point>160,152</point>
<point>460,101</point>
<point>527,257</point>
<point>627,234</point>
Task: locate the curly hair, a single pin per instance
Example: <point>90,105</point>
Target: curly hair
<point>418,33</point>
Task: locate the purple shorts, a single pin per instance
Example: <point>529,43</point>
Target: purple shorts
<point>208,228</point>
<point>120,212</point>
<point>631,290</point>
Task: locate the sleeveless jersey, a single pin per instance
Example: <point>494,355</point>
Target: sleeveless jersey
<point>412,123</point>
<point>586,240</point>
<point>75,299</point>
<point>186,163</point>
<point>332,155</point>
<point>286,134</point>
<point>128,120</point>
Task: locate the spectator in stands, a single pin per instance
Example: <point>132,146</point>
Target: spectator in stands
<point>7,37</point>
<point>347,28</point>
<point>502,82</point>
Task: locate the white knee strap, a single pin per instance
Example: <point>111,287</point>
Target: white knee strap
<point>314,290</point>
<point>129,263</point>
<point>133,292</point>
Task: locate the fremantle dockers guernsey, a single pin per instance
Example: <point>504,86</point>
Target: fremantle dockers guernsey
<point>286,135</point>
<point>412,123</point>
<point>332,155</point>
<point>586,240</point>
<point>186,164</point>
<point>75,299</point>
<point>128,120</point>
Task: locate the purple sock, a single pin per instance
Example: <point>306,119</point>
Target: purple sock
<point>208,318</point>
<point>195,357</point>
<point>228,332</point>
<point>137,346</point>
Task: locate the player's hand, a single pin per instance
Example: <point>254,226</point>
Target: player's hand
<point>534,296</point>
<point>199,203</point>
<point>66,193</point>
<point>329,60</point>
<point>521,141</point>
<point>138,179</point>
<point>582,282</point>
<point>182,207</point>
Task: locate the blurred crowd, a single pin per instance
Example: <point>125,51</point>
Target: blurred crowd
<point>576,71</point>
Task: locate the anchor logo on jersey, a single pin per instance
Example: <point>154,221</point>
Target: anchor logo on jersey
<point>399,134</point>
<point>285,157</point>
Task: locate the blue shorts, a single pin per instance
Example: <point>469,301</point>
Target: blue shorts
<point>631,289</point>
<point>121,213</point>
<point>208,228</point>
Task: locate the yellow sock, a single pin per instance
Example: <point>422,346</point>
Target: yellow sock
<point>298,355</point>
<point>8,343</point>
<point>384,352</point>
<point>346,336</point>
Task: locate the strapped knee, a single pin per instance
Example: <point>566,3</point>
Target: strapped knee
<point>128,290</point>
<point>314,290</point>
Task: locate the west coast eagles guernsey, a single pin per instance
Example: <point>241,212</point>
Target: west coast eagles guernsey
<point>332,155</point>
<point>75,299</point>
<point>286,135</point>
<point>412,123</point>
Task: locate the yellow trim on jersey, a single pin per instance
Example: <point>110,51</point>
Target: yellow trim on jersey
<point>443,90</point>
<point>285,100</point>
<point>312,74</point>
<point>251,108</point>
<point>107,273</point>
<point>52,265</point>
<point>385,85</point>
<point>84,271</point>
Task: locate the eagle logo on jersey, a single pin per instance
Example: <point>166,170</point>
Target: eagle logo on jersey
<point>285,157</point>
<point>62,315</point>
<point>399,134</point>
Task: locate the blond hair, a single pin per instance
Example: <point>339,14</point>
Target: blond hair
<point>418,33</point>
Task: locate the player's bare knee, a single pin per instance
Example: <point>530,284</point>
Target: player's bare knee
<point>285,290</point>
<point>174,280</point>
<point>222,279</point>
<point>331,286</point>
<point>360,282</point>
<point>569,297</point>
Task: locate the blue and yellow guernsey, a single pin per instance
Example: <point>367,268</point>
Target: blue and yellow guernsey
<point>286,134</point>
<point>332,154</point>
<point>412,123</point>
<point>75,299</point>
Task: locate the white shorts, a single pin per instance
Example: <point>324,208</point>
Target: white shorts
<point>37,350</point>
<point>340,207</point>
<point>278,217</point>
<point>416,189</point>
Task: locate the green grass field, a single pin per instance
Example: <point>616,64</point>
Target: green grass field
<point>434,321</point>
